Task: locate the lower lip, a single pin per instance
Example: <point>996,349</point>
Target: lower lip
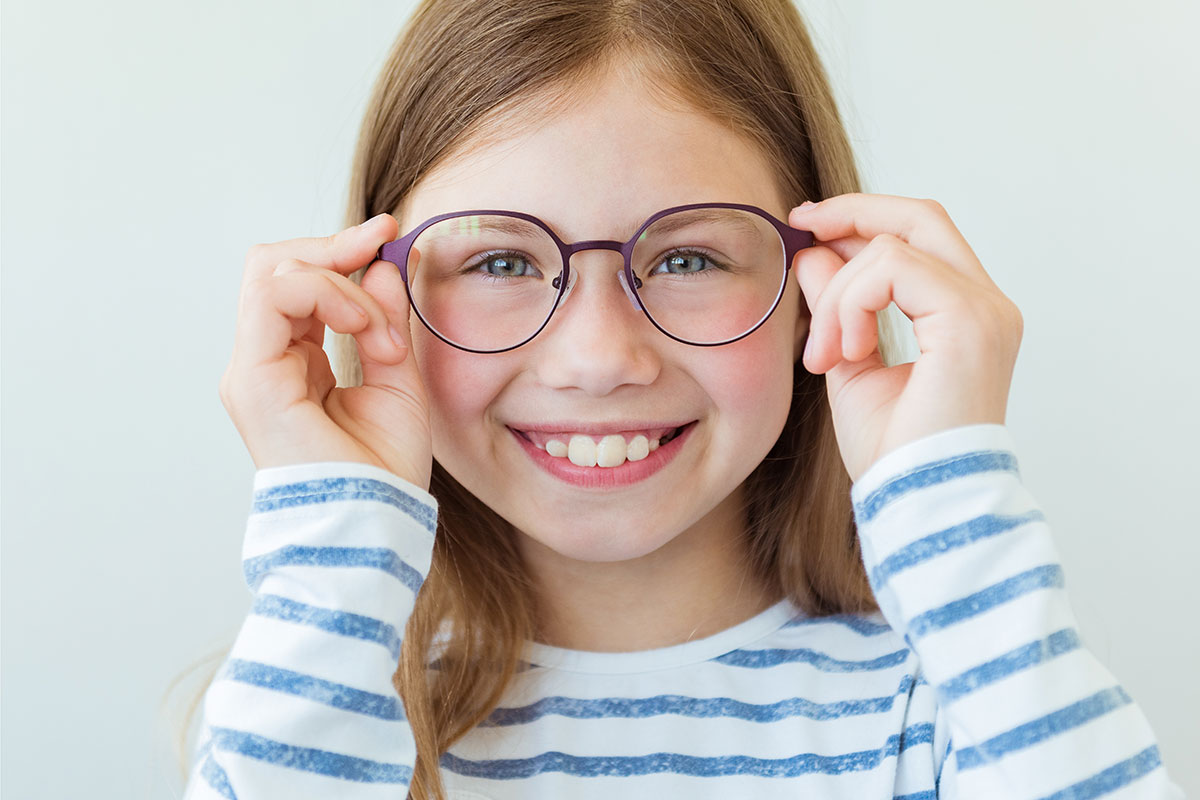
<point>605,477</point>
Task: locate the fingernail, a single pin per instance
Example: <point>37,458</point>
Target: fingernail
<point>372,219</point>
<point>808,345</point>
<point>807,205</point>
<point>396,337</point>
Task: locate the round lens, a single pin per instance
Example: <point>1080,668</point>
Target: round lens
<point>484,282</point>
<point>709,275</point>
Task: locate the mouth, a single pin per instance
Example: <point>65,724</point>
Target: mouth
<point>592,447</point>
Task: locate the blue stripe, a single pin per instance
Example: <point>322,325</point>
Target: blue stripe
<point>1021,658</point>
<point>216,778</point>
<point>930,475</point>
<point>342,623</point>
<point>928,794</point>
<point>854,622</point>
<point>1043,728</point>
<point>936,544</point>
<point>697,707</point>
<point>1047,576</point>
<point>330,490</point>
<point>679,764</point>
<point>761,659</point>
<point>921,733</point>
<point>380,558</point>
<point>321,691</point>
<point>1109,780</point>
<point>310,759</point>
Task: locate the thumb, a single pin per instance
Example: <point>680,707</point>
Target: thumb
<point>383,282</point>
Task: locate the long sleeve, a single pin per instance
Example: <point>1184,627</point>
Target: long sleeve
<point>304,705</point>
<point>962,563</point>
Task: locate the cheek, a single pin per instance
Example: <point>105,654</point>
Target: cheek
<point>750,383</point>
<point>754,376</point>
<point>459,386</point>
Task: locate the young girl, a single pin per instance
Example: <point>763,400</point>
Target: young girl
<point>612,328</point>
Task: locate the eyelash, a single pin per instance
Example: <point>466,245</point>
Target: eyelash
<point>479,266</point>
<point>708,257</point>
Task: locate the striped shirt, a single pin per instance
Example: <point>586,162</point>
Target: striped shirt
<point>971,682</point>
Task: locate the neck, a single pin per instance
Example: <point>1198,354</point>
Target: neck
<point>696,585</point>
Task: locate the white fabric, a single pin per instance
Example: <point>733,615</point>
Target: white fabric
<point>971,683</point>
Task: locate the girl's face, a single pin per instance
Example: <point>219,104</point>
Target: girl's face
<point>596,171</point>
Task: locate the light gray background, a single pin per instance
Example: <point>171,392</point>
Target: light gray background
<point>146,145</point>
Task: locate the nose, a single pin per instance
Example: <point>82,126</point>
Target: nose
<point>600,340</point>
<point>600,244</point>
<point>633,300</point>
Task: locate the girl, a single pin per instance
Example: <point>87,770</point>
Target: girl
<point>604,342</point>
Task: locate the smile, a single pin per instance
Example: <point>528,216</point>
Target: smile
<point>603,459</point>
<point>609,450</point>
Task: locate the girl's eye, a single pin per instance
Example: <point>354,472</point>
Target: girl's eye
<point>507,265</point>
<point>681,263</point>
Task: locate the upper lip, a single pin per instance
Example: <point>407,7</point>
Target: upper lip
<point>595,428</point>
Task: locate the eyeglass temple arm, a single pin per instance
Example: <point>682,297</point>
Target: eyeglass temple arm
<point>397,252</point>
<point>794,241</point>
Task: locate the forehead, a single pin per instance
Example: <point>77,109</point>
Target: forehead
<point>594,162</point>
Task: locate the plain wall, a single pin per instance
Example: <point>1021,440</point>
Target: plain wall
<point>147,145</point>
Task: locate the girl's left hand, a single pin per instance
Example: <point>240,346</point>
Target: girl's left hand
<point>876,249</point>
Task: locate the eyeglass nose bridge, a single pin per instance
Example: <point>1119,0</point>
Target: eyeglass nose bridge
<point>569,250</point>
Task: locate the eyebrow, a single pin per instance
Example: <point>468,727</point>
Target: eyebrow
<point>480,223</point>
<point>672,223</point>
<point>704,216</point>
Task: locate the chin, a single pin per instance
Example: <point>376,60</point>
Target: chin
<point>597,541</point>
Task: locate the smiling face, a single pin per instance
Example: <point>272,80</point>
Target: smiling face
<point>595,170</point>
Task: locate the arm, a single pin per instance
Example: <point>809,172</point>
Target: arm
<point>961,560</point>
<point>304,705</point>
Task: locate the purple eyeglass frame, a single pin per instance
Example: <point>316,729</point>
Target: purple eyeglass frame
<point>794,240</point>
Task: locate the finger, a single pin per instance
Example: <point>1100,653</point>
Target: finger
<point>826,333</point>
<point>282,309</point>
<point>376,340</point>
<point>857,329</point>
<point>814,268</point>
<point>823,348</point>
<point>383,282</point>
<point>922,223</point>
<point>320,378</point>
<point>888,270</point>
<point>919,285</point>
<point>846,247</point>
<point>308,329</point>
<point>343,252</point>
<point>818,270</point>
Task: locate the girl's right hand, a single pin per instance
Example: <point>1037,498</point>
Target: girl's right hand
<point>279,388</point>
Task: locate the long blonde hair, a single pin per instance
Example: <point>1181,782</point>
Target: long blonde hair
<point>751,65</point>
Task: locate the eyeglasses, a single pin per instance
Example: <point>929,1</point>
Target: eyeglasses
<point>704,274</point>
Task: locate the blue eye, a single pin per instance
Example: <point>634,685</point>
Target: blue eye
<point>507,265</point>
<point>684,263</point>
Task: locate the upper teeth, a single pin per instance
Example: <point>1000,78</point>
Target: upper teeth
<point>610,451</point>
